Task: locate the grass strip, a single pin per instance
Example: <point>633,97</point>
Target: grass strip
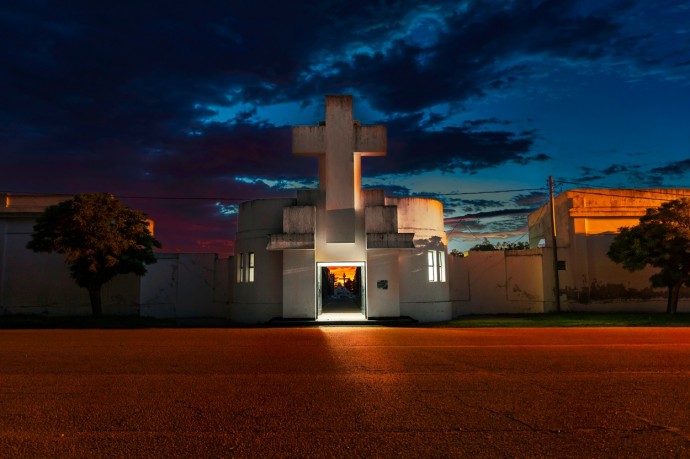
<point>571,319</point>
<point>563,319</point>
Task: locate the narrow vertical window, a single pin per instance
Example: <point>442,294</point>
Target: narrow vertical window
<point>436,262</point>
<point>250,267</point>
<point>441,265</point>
<point>431,258</point>
<point>240,267</point>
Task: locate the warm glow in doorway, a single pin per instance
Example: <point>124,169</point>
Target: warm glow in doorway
<point>340,272</point>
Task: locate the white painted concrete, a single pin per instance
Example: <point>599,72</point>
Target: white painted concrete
<point>497,282</point>
<point>186,285</point>
<point>299,284</point>
<point>383,282</point>
<point>341,317</point>
<point>340,216</point>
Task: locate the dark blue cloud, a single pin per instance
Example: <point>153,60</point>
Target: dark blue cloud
<point>413,150</point>
<point>533,199</point>
<point>675,168</point>
<point>87,75</point>
<point>125,97</point>
<point>481,48</point>
<point>634,175</point>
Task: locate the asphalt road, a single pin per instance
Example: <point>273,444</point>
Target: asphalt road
<point>345,392</point>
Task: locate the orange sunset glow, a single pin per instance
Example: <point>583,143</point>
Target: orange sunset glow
<point>339,271</point>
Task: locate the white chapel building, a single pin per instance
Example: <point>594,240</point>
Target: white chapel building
<point>340,252</point>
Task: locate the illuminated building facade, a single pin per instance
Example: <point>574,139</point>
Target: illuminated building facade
<point>587,221</point>
<point>340,249</point>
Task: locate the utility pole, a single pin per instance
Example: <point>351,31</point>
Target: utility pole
<point>554,244</point>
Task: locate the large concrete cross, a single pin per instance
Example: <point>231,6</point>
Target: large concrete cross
<point>339,143</point>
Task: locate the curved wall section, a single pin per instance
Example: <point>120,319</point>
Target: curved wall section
<point>261,299</point>
<point>421,297</point>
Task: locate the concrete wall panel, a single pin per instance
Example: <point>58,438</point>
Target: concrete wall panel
<point>299,284</point>
<point>599,284</point>
<point>195,290</point>
<point>261,217</point>
<point>299,219</point>
<point>427,311</point>
<point>159,287</point>
<point>40,283</point>
<point>419,298</point>
<point>255,313</point>
<point>381,219</point>
<point>383,283</point>
<point>497,282</point>
<point>186,285</point>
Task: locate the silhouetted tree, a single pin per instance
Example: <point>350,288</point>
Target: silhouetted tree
<point>484,246</point>
<point>513,245</point>
<point>487,246</point>
<point>661,240</point>
<point>100,238</point>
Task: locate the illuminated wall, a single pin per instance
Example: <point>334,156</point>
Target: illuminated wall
<point>340,223</point>
<point>586,223</point>
<point>497,282</point>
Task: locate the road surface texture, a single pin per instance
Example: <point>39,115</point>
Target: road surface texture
<point>345,392</point>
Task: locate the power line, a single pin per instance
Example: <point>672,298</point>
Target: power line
<point>464,193</point>
<point>480,192</point>
<point>151,197</point>
<point>244,198</point>
<point>467,227</point>
<point>191,198</point>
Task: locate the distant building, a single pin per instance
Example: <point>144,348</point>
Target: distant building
<point>587,220</point>
<point>287,250</point>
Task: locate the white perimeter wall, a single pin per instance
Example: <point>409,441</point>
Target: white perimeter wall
<point>40,283</point>
<point>497,282</point>
<point>187,285</point>
<point>521,281</point>
<point>593,282</point>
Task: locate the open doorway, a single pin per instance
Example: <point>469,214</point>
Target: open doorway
<point>341,290</point>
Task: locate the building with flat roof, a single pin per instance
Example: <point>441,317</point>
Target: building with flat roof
<point>587,221</point>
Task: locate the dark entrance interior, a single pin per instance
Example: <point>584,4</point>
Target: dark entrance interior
<point>341,290</point>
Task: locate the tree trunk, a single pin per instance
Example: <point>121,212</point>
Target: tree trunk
<point>673,294</point>
<point>95,297</point>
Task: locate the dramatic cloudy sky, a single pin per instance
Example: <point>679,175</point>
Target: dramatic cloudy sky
<point>182,109</point>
